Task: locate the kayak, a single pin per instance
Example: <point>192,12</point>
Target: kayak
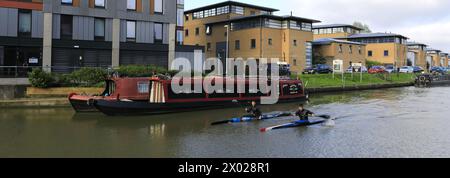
<point>294,124</point>
<point>250,119</point>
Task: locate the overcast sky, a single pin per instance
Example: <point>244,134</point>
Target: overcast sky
<point>425,21</point>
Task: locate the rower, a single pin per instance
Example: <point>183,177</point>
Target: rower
<point>303,113</point>
<point>254,111</point>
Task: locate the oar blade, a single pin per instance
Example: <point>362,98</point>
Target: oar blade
<point>221,122</point>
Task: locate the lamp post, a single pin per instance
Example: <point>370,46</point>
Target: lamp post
<point>227,47</point>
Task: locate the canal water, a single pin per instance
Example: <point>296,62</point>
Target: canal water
<point>400,122</point>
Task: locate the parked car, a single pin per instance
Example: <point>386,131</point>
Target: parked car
<point>350,69</point>
<point>440,70</point>
<point>318,69</point>
<point>418,69</point>
<point>377,69</point>
<point>390,69</point>
<point>407,69</point>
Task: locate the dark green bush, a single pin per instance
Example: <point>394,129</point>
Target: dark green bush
<point>87,77</point>
<point>140,71</point>
<point>40,79</point>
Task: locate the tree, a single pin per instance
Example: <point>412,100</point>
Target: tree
<point>365,28</point>
<point>319,59</point>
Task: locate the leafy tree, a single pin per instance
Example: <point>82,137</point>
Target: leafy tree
<point>319,59</point>
<point>365,28</point>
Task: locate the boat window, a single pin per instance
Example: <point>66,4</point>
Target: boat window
<point>292,89</point>
<point>143,87</point>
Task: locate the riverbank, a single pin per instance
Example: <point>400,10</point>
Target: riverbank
<point>35,102</point>
<point>318,81</point>
<point>321,83</point>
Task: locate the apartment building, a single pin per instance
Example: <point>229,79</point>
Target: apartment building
<point>232,29</point>
<point>334,31</point>
<point>62,35</point>
<point>444,60</point>
<point>385,48</point>
<point>329,49</point>
<point>417,54</point>
<point>433,57</point>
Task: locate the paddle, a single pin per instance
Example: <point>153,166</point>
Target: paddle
<point>264,117</point>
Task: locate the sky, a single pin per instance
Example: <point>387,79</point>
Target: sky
<point>424,21</point>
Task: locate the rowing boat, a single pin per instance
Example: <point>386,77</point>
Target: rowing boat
<point>250,119</point>
<point>300,123</point>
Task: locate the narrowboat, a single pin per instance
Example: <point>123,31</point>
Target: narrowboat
<point>115,89</point>
<point>161,99</point>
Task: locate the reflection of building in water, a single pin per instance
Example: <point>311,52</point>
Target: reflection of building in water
<point>157,130</point>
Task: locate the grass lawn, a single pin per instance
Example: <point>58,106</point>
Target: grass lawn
<point>326,80</point>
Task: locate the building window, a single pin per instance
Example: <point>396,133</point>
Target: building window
<point>223,10</point>
<point>370,53</point>
<point>237,10</point>
<point>340,48</point>
<point>253,44</point>
<point>294,62</point>
<point>159,6</point>
<point>252,12</point>
<point>197,31</point>
<point>350,49</point>
<point>208,47</point>
<point>180,21</point>
<point>386,53</point>
<point>99,3</point>
<point>270,41</point>
<point>66,27</point>
<point>131,5</point>
<point>186,33</point>
<point>359,50</point>
<point>237,45</point>
<point>295,42</point>
<point>208,30</point>
<point>186,17</point>
<point>24,23</point>
<point>131,31</point>
<point>180,37</point>
<point>309,56</point>
<point>99,31</point>
<point>158,32</point>
<point>66,2</point>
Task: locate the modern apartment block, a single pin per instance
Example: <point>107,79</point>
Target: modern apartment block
<point>335,31</point>
<point>64,34</point>
<point>417,54</point>
<point>232,29</point>
<point>385,48</point>
<point>444,59</point>
<point>433,57</point>
<point>329,49</point>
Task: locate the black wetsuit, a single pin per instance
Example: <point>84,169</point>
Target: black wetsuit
<point>304,114</point>
<point>254,112</point>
